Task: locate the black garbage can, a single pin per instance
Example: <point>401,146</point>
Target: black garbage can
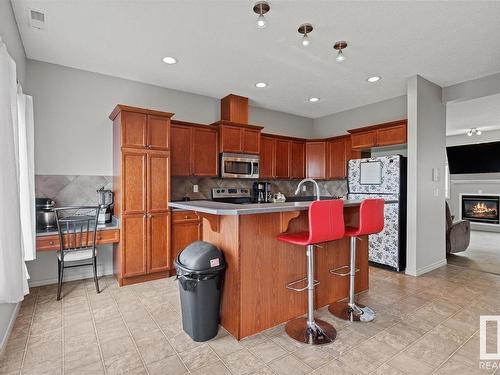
<point>200,270</point>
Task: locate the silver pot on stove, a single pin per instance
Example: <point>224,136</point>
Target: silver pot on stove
<point>45,215</point>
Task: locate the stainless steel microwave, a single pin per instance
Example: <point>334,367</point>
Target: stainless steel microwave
<point>239,165</point>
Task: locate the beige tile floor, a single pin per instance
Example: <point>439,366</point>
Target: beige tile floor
<point>425,325</point>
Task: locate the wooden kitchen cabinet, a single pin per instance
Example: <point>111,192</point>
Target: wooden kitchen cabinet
<point>386,134</point>
<point>282,155</point>
<point>158,242</point>
<point>141,183</point>
<point>134,167</point>
<point>158,181</point>
<point>238,138</point>
<point>133,238</point>
<point>194,150</point>
<point>250,141</point>
<point>186,228</point>
<point>316,159</point>
<point>205,153</point>
<point>297,159</point>
<point>267,157</point>
<point>339,154</point>
<point>143,129</point>
<point>181,144</point>
<point>364,140</point>
<point>393,135</point>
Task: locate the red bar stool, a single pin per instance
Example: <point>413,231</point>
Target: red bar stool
<point>371,221</point>
<point>326,223</point>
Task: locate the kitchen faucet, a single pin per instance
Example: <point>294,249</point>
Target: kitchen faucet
<point>316,187</point>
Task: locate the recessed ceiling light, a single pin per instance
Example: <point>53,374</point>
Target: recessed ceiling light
<point>313,99</point>
<point>170,60</point>
<point>373,79</point>
<point>260,85</point>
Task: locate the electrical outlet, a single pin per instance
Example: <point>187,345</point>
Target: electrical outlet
<point>304,187</point>
<point>195,188</point>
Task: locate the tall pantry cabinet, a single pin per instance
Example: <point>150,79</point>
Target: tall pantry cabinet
<point>141,183</point>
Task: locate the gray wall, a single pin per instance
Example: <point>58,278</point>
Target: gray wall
<point>375,113</point>
<point>475,88</point>
<point>426,150</point>
<point>73,135</point>
<point>275,122</point>
<point>11,38</point>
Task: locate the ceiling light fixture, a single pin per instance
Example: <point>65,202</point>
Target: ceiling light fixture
<point>261,8</point>
<point>261,85</point>
<point>373,79</point>
<point>313,99</point>
<point>170,60</point>
<point>305,29</point>
<point>339,46</point>
<point>474,131</point>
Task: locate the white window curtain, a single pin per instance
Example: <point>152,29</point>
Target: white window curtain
<point>26,144</point>
<point>13,273</point>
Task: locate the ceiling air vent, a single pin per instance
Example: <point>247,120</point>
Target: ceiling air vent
<point>36,19</point>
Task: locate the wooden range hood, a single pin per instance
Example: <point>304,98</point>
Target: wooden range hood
<point>234,108</point>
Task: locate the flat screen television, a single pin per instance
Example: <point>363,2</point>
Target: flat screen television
<point>476,158</point>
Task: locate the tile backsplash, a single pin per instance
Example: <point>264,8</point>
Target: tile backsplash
<point>80,190</point>
<point>68,190</point>
<point>183,187</point>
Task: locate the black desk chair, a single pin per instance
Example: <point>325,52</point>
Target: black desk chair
<point>77,226</point>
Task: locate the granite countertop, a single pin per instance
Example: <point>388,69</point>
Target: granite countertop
<point>51,231</point>
<point>219,208</point>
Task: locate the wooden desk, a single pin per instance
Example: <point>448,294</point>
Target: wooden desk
<point>50,242</point>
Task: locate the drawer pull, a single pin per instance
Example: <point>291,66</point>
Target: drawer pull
<point>186,217</point>
<point>51,242</point>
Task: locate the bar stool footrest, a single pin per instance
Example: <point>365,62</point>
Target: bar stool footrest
<point>291,285</point>
<point>335,271</point>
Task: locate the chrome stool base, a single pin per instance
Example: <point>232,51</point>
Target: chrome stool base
<point>320,333</point>
<point>360,313</point>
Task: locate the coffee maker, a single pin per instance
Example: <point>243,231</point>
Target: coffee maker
<point>262,192</point>
<point>105,200</point>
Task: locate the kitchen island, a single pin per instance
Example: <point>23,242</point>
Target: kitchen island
<point>259,266</point>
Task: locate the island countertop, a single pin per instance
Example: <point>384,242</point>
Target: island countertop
<point>221,208</point>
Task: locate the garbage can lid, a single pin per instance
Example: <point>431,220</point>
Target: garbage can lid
<point>201,256</point>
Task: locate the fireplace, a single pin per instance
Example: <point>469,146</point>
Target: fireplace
<point>480,208</point>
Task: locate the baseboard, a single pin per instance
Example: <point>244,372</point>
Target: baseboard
<point>13,317</point>
<point>429,268</point>
<point>71,277</point>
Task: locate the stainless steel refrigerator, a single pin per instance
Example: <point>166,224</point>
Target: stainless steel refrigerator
<point>383,177</point>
